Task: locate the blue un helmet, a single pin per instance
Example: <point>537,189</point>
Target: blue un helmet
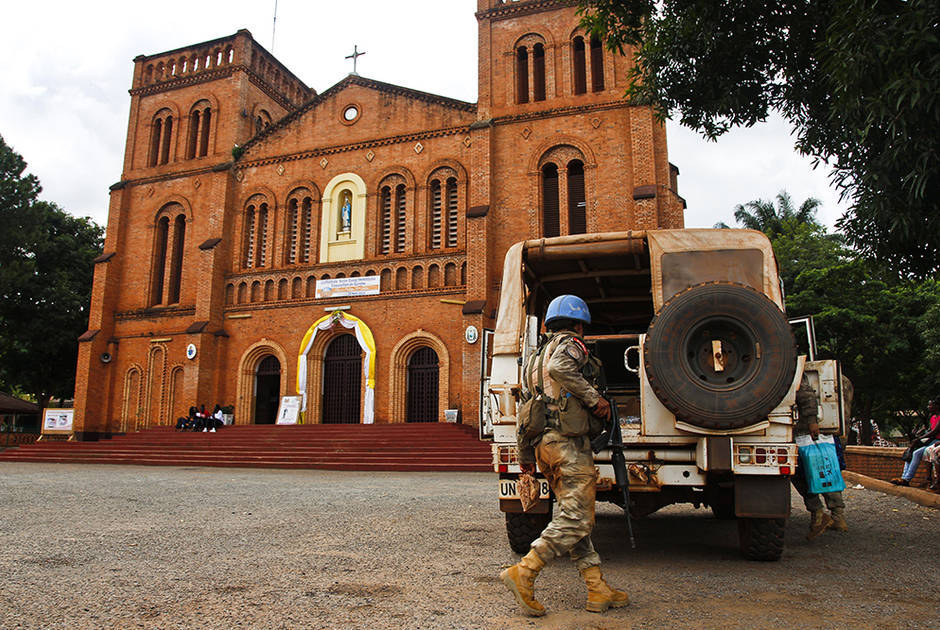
<point>568,307</point>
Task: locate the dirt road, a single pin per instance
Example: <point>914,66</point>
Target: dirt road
<point>135,547</point>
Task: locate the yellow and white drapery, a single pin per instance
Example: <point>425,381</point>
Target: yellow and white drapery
<point>366,342</point>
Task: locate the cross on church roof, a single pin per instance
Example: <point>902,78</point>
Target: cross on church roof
<point>355,57</point>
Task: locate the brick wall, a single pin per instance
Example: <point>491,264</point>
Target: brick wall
<point>880,463</point>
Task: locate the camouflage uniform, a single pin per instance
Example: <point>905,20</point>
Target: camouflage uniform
<point>807,403</point>
<point>567,461</point>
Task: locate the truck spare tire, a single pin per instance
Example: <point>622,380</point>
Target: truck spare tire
<point>720,355</point>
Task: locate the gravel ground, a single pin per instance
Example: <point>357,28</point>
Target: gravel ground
<point>141,547</point>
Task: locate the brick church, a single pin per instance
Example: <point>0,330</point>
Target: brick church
<point>346,246</point>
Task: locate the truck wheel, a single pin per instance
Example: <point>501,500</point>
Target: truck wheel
<point>524,528</point>
<point>757,351</point>
<point>761,538</point>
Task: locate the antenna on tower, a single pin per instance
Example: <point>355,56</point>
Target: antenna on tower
<point>274,27</point>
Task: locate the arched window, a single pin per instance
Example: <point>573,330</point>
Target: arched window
<point>200,121</point>
<point>393,210</point>
<point>522,75</point>
<point>550,214</point>
<point>168,250</point>
<point>249,251</point>
<point>262,121</point>
<point>563,191</point>
<point>444,204</point>
<point>452,212</point>
<point>577,220</point>
<point>436,214</point>
<point>159,260</point>
<point>400,209</point>
<point>161,135</point>
<point>578,65</point>
<point>385,238</point>
<point>176,263</point>
<point>597,64</point>
<point>256,235</point>
<point>299,233</point>
<point>538,72</point>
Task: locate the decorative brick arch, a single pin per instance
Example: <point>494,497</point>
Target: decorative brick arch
<point>245,382</point>
<point>398,372</point>
<point>541,153</point>
<point>156,387</point>
<point>131,400</point>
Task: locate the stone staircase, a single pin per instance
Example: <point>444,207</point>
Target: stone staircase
<point>379,447</point>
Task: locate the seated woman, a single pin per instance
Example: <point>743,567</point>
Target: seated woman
<point>919,446</point>
<point>932,457</point>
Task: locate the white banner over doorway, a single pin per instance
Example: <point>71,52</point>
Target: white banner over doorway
<point>366,342</point>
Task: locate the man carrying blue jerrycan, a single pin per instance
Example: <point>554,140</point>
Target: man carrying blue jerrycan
<point>807,427</point>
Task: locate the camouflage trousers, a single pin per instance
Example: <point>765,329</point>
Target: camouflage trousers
<point>813,502</point>
<point>568,465</point>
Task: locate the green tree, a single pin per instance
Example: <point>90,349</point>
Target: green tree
<point>46,272</point>
<point>762,215</point>
<point>857,79</point>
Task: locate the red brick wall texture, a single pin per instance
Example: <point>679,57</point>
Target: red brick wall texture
<point>210,243</point>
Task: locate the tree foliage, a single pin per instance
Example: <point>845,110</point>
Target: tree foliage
<point>881,327</point>
<point>46,270</point>
<point>857,79</point>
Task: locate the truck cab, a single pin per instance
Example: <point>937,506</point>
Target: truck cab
<point>699,358</point>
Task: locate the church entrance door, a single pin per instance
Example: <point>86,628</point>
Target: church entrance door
<point>423,375</point>
<point>342,381</point>
<point>267,389</point>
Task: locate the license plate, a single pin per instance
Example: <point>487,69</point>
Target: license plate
<point>507,489</point>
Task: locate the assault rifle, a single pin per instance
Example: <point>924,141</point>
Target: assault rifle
<point>611,438</point>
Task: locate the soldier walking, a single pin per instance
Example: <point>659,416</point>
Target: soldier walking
<point>807,402</point>
<point>575,409</point>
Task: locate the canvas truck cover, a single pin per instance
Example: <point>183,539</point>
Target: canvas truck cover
<point>678,259</point>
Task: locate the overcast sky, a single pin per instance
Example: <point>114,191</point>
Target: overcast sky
<point>67,69</point>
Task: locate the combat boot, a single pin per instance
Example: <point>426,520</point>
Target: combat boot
<point>600,595</point>
<point>838,520</point>
<point>520,580</point>
<point>821,521</point>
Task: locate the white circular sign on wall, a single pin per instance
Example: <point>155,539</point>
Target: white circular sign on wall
<point>471,334</point>
<point>191,351</point>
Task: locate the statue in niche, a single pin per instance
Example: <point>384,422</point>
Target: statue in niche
<point>345,213</point>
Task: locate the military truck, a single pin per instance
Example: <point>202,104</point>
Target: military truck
<point>699,357</point>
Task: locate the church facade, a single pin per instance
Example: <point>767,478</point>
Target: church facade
<point>346,246</point>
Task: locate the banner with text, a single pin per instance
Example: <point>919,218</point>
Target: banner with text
<point>333,288</point>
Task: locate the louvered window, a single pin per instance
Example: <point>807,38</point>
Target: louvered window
<point>307,229</point>
<point>436,214</point>
<point>597,65</point>
<point>249,259</point>
<point>400,206</point>
<point>292,229</point>
<point>522,75</point>
<point>578,63</point>
<point>452,212</point>
<point>262,235</point>
<point>538,72</point>
<point>386,235</point>
<point>577,219</point>
<point>550,215</point>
